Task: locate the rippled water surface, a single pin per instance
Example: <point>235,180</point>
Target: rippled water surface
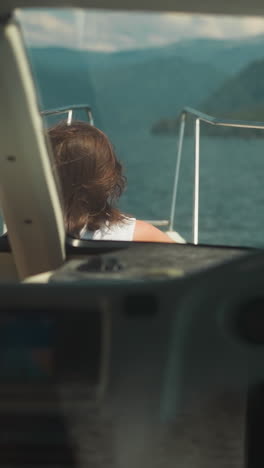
<point>231,184</point>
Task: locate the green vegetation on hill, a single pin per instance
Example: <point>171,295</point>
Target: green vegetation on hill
<point>240,98</point>
<point>240,94</point>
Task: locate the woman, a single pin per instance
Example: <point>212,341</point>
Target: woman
<point>92,181</point>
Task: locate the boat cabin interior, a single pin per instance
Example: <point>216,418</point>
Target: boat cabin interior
<point>115,353</point>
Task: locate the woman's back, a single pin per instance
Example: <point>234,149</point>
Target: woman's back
<point>119,231</point>
<point>92,181</point>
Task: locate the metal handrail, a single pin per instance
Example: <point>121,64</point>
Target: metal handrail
<point>199,116</point>
<point>70,110</point>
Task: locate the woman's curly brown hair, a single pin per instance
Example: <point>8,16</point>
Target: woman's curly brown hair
<point>90,175</point>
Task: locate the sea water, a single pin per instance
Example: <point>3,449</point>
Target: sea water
<point>231,194</point>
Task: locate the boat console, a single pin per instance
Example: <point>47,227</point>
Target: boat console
<point>145,355</point>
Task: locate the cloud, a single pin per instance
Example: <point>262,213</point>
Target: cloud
<point>44,28</point>
<point>217,26</point>
<point>110,31</point>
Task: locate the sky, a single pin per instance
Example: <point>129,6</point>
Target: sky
<point>101,30</point>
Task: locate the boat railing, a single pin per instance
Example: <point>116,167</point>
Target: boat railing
<point>198,117</point>
<point>70,110</point>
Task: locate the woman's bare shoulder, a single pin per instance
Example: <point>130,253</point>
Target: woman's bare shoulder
<point>145,232</point>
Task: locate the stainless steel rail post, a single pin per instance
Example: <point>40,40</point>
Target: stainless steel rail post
<point>69,118</point>
<point>196,182</point>
<point>90,116</point>
<point>200,116</point>
<point>177,171</point>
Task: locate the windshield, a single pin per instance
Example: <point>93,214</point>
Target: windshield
<point>137,71</point>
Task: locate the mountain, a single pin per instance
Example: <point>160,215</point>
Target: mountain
<point>241,97</point>
<point>148,87</point>
<point>124,95</point>
<point>132,95</point>
<point>229,55</point>
<point>239,94</point>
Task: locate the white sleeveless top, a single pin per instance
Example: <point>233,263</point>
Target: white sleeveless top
<point>123,231</point>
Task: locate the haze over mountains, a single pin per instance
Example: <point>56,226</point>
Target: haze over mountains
<point>150,86</point>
